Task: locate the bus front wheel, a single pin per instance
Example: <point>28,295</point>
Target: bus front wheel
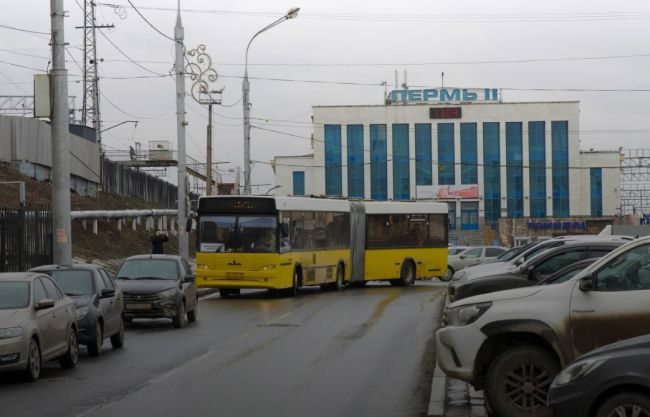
<point>295,288</point>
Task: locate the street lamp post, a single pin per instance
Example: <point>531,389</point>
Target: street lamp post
<point>202,73</point>
<point>293,12</point>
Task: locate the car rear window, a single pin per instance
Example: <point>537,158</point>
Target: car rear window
<point>74,281</point>
<point>14,294</point>
<point>456,251</point>
<point>492,252</point>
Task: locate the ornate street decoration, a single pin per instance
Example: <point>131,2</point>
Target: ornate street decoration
<point>199,67</point>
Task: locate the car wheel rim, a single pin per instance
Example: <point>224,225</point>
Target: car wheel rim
<point>34,360</point>
<point>629,410</point>
<point>448,274</point>
<point>526,387</point>
<point>74,348</point>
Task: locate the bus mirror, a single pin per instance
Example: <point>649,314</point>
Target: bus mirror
<point>285,230</point>
<point>188,225</point>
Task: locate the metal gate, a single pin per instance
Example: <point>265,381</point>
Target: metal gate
<point>25,239</point>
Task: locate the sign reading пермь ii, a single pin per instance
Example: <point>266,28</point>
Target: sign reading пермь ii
<point>444,95</point>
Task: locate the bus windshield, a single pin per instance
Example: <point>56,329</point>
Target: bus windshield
<point>252,234</point>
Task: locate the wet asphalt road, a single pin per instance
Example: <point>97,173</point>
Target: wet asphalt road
<point>361,352</point>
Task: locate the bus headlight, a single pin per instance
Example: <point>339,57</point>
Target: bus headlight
<point>269,267</point>
<point>201,266</point>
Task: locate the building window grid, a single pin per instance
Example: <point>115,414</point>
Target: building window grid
<point>468,154</point>
<point>378,162</point>
<point>298,182</point>
<point>514,169</point>
<point>423,154</point>
<point>560,150</point>
<point>452,216</point>
<point>333,170</point>
<point>356,172</point>
<point>491,172</point>
<point>596,191</point>
<point>401,174</point>
<point>537,170</point>
<point>446,154</point>
<point>469,215</point>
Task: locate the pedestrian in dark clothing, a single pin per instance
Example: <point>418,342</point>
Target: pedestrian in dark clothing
<point>157,242</point>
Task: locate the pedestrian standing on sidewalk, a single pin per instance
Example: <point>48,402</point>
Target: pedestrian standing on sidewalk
<point>158,240</point>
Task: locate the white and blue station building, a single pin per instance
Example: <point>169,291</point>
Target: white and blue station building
<point>486,158</point>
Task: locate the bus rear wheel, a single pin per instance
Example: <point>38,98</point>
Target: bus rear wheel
<point>407,274</point>
<point>340,277</point>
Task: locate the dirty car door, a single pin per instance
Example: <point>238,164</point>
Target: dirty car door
<point>618,306</point>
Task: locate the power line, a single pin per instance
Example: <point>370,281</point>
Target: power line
<point>148,22</point>
<point>34,32</point>
<point>116,107</point>
<point>128,57</point>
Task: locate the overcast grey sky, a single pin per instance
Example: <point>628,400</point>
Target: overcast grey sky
<point>423,37</point>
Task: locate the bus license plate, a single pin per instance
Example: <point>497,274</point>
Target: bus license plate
<point>234,275</point>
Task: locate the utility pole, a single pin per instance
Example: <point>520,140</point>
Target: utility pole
<point>183,249</point>
<point>61,220</point>
<point>199,66</point>
<point>90,114</point>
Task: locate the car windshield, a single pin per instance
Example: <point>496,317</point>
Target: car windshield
<point>456,251</point>
<point>511,253</point>
<point>14,294</point>
<point>74,281</point>
<point>165,269</point>
<point>238,234</point>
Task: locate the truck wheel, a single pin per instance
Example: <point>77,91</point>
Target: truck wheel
<point>518,381</point>
<point>625,404</point>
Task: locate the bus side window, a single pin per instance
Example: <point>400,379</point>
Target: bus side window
<point>437,230</point>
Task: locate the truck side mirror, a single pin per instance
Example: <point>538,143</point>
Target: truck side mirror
<point>588,283</point>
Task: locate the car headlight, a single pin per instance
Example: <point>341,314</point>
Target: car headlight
<point>464,315</point>
<point>11,332</point>
<point>458,275</point>
<point>167,293</point>
<point>82,312</point>
<point>578,370</point>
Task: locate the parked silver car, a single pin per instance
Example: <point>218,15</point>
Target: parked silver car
<point>472,256</point>
<point>37,323</point>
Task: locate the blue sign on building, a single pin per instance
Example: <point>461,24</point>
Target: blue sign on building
<point>444,95</point>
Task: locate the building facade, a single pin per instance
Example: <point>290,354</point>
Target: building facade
<point>487,159</point>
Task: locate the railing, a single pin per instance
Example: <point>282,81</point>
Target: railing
<point>25,239</point>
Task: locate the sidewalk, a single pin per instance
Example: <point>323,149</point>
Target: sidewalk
<point>454,398</point>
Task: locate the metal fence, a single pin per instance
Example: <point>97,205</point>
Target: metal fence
<point>25,239</point>
<point>122,180</point>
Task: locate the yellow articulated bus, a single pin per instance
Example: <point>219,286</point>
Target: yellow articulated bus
<point>272,243</point>
<point>285,243</point>
<point>398,241</point>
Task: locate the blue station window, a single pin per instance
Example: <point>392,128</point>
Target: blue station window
<point>514,170</point>
<point>469,215</point>
<point>596,191</point>
<point>378,163</point>
<point>560,149</point>
<point>333,176</point>
<point>423,155</point>
<point>452,216</point>
<point>355,161</point>
<point>537,172</point>
<point>468,154</point>
<point>446,156</point>
<point>298,182</point>
<point>491,172</point>
<point>401,174</point>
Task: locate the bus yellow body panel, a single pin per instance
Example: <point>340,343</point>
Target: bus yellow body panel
<point>268,270</point>
<point>381,264</point>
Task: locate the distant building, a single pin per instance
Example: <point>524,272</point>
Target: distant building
<point>487,159</point>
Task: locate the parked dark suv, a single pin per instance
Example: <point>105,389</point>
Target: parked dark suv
<point>99,303</point>
<point>533,271</point>
<point>158,286</point>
